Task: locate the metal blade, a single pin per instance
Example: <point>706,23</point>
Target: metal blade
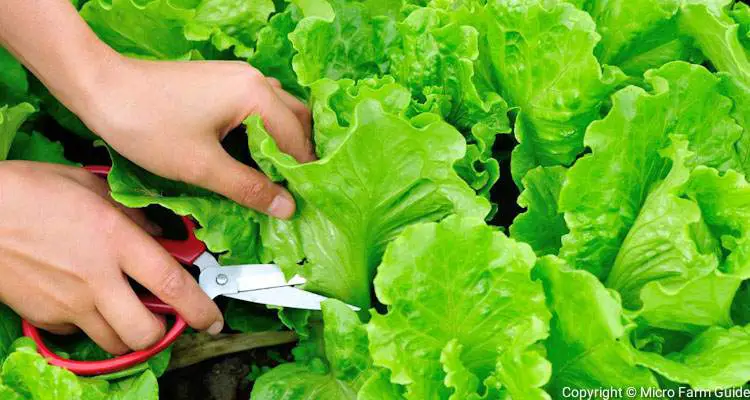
<point>285,296</point>
<point>227,280</point>
<point>259,283</point>
<point>264,276</point>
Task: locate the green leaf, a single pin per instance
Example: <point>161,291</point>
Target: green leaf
<point>385,173</point>
<point>716,359</point>
<point>28,374</point>
<point>11,118</point>
<point>587,343</point>
<point>297,381</point>
<point>142,387</point>
<point>274,52</point>
<point>543,61</point>
<point>349,368</point>
<point>464,383</point>
<point>638,44</point>
<point>716,34</point>
<point>36,147</point>
<point>604,191</point>
<point>436,59</point>
<point>352,44</point>
<point>739,92</point>
<point>14,85</point>
<point>457,283</point>
<point>230,24</point>
<point>149,29</point>
<point>247,317</point>
<point>226,227</point>
<point>541,226</point>
<point>670,265</point>
<point>379,387</point>
<point>741,14</point>
<point>10,330</point>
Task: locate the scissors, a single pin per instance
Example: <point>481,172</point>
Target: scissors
<point>255,283</point>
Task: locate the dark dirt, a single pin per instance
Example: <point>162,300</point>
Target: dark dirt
<point>223,378</point>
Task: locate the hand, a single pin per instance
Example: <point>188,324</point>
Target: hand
<point>169,118</point>
<point>65,251</point>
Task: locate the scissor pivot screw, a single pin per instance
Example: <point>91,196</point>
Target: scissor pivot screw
<point>222,279</point>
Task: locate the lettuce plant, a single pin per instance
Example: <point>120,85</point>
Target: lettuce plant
<point>621,127</point>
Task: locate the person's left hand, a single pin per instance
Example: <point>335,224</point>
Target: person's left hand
<point>169,118</point>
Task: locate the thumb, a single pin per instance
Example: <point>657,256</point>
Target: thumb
<point>245,185</point>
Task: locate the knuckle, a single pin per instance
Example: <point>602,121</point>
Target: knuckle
<point>147,337</point>
<point>252,191</point>
<point>196,171</point>
<point>109,220</point>
<point>172,285</point>
<point>71,306</point>
<point>303,112</point>
<point>202,318</point>
<point>253,74</point>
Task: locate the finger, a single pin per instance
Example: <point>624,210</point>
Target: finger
<point>101,333</point>
<point>299,109</point>
<point>282,123</point>
<point>59,329</point>
<point>245,185</point>
<point>139,217</point>
<point>149,264</point>
<point>134,323</point>
<point>274,82</point>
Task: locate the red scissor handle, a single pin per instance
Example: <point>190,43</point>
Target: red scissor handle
<point>185,251</point>
<point>118,363</point>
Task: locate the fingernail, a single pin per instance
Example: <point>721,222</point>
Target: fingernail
<point>282,206</point>
<point>216,328</point>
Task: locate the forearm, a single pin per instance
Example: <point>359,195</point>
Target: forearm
<point>56,44</point>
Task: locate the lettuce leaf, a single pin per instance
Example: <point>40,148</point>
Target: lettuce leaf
<point>14,84</point>
<point>669,262</point>
<point>347,41</point>
<point>437,59</point>
<point>274,52</point>
<point>10,330</point>
<point>345,372</point>
<point>229,24</point>
<point>152,29</point>
<point>26,375</point>
<point>639,44</point>
<point>543,61</point>
<point>741,14</point>
<point>715,359</point>
<point>378,172</point>
<point>592,354</point>
<point>36,147</point>
<point>542,226</point>
<point>11,118</point>
<point>717,35</point>
<point>605,190</point>
<point>460,303</point>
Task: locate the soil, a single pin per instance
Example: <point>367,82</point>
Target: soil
<point>222,378</point>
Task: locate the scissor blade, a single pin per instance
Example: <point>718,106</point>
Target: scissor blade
<point>285,296</point>
<point>217,281</point>
<point>263,276</point>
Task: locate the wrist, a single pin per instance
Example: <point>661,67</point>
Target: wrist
<point>80,83</point>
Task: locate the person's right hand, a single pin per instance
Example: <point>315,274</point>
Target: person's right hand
<point>65,251</point>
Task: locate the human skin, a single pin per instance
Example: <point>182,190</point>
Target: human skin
<point>65,257</point>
